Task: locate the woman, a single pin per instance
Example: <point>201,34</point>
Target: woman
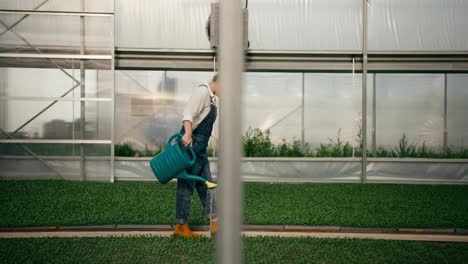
<point>198,120</point>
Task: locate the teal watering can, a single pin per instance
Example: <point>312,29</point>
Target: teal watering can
<point>173,162</point>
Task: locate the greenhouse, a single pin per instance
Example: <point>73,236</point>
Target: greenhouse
<point>106,84</point>
<point>357,92</point>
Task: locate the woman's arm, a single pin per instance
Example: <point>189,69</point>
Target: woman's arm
<point>187,138</point>
<point>193,108</point>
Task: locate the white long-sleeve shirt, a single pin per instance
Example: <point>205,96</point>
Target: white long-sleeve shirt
<point>199,105</point>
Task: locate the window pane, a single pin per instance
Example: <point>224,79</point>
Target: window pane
<point>149,105</point>
<point>410,104</point>
<point>17,163</point>
<point>61,121</point>
<point>332,106</point>
<point>272,101</point>
<point>305,25</point>
<point>52,82</point>
<point>106,6</point>
<point>273,25</point>
<point>56,34</point>
<point>457,110</point>
<point>418,25</point>
<point>162,24</point>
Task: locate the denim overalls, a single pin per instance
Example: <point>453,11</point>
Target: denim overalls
<point>200,137</point>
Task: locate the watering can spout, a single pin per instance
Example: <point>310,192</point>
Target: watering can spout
<point>186,176</point>
<point>211,185</point>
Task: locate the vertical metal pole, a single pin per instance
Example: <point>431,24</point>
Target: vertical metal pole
<point>303,114</point>
<point>364,93</point>
<point>230,192</point>
<point>112,155</point>
<point>445,113</point>
<point>82,94</point>
<point>374,115</point>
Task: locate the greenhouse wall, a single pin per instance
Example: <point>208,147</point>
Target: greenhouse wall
<point>80,101</point>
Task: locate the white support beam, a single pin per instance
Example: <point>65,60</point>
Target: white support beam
<point>229,249</point>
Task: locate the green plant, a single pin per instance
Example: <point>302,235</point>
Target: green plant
<point>154,249</point>
<point>323,151</point>
<point>257,143</point>
<point>405,149</point>
<point>50,203</point>
<point>335,148</point>
<point>124,150</point>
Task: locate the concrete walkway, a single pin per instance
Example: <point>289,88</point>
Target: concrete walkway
<point>439,235</point>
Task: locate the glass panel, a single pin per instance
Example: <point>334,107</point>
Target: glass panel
<point>18,163</point>
<point>98,119</point>
<point>333,109</point>
<point>418,25</point>
<point>457,111</point>
<point>106,6</point>
<point>56,34</point>
<point>305,25</point>
<point>417,171</point>
<point>61,121</point>
<point>272,101</point>
<point>162,24</point>
<point>53,82</point>
<point>277,25</point>
<point>149,106</point>
<point>410,110</point>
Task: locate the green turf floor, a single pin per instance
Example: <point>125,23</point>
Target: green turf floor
<point>44,203</point>
<point>202,250</point>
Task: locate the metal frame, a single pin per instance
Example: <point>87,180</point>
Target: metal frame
<point>55,13</point>
<point>82,58</point>
<point>33,98</point>
<point>374,114</point>
<point>295,61</point>
<point>56,141</point>
<point>82,92</point>
<point>303,110</point>
<point>445,112</point>
<point>112,176</point>
<point>56,56</point>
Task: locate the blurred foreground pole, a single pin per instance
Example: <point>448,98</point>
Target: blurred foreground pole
<point>231,59</point>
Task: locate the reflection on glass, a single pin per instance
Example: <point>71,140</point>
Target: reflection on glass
<point>332,109</point>
<point>56,34</point>
<point>272,101</point>
<point>410,110</point>
<point>149,105</point>
<point>61,121</point>
<point>457,111</point>
<point>52,82</point>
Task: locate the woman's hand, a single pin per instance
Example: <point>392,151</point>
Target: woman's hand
<point>187,140</point>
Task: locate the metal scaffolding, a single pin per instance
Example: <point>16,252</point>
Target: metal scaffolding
<point>36,53</point>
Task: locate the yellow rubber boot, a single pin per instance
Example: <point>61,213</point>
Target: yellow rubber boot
<point>213,226</point>
<point>184,231</point>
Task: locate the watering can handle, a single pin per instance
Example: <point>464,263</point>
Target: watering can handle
<point>179,135</point>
